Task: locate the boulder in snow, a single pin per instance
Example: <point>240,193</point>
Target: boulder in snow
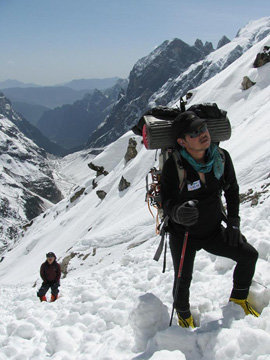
<point>247,83</point>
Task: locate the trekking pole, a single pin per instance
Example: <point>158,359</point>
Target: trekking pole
<point>179,272</point>
<point>181,263</point>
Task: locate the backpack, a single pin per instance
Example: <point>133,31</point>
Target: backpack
<point>155,127</point>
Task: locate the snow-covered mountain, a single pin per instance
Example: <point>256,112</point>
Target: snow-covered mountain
<point>27,185</point>
<point>30,131</point>
<point>115,302</point>
<point>214,63</point>
<point>147,76</point>
<point>170,71</point>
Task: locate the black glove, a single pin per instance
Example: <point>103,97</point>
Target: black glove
<point>233,234</point>
<point>186,214</point>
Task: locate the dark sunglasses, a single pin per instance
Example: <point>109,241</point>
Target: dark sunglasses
<point>198,132</point>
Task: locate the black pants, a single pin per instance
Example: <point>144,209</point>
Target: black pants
<point>245,257</point>
<point>45,287</point>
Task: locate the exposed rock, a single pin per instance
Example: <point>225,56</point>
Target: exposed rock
<point>99,169</point>
<point>86,256</point>
<point>123,184</point>
<point>95,151</point>
<point>131,150</point>
<point>254,197</point>
<point>189,95</point>
<point>223,41</point>
<point>206,48</point>
<point>46,188</point>
<point>262,58</point>
<point>94,184</point>
<point>101,194</point>
<point>247,83</point>
<point>65,262</point>
<point>77,194</point>
<point>33,205</point>
<point>28,225</point>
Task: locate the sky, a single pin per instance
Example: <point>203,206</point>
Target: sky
<point>55,41</point>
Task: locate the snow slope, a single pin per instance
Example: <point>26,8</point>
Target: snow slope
<point>115,303</point>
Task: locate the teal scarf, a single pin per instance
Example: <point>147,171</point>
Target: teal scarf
<point>213,161</point>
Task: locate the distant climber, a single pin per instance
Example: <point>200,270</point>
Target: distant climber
<point>50,272</point>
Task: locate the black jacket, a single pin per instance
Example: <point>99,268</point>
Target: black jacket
<point>50,272</point>
<point>208,196</point>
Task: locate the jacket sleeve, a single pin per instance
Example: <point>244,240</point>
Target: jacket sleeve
<point>42,273</point>
<point>169,186</point>
<point>231,188</point>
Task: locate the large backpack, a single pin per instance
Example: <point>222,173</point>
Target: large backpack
<point>155,126</point>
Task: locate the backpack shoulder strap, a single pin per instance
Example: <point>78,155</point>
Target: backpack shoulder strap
<point>180,169</point>
<point>222,154</point>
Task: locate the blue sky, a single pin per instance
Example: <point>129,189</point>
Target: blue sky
<point>52,41</point>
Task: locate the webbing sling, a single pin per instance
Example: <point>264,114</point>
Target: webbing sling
<point>161,243</point>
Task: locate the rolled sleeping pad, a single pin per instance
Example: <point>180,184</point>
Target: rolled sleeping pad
<point>158,134</point>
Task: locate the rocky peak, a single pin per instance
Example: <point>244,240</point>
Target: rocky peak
<point>204,48</point>
<point>223,41</point>
<point>92,102</point>
<point>167,60</point>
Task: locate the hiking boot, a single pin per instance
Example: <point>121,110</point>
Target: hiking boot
<point>53,297</point>
<point>43,298</point>
<point>245,305</point>
<point>185,322</point>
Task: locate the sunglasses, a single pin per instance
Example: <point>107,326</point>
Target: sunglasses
<point>198,132</point>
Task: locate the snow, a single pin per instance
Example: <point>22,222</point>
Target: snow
<point>114,301</point>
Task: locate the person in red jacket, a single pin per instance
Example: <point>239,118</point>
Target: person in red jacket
<point>50,273</point>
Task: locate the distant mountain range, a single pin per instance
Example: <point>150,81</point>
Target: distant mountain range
<point>76,84</point>
<point>32,100</point>
<point>91,84</point>
<point>70,125</point>
<point>48,96</point>
<point>52,96</point>
<point>6,84</point>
